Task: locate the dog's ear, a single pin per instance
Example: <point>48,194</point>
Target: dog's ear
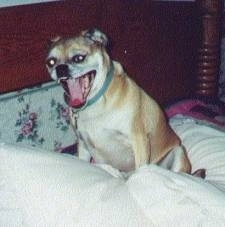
<point>53,40</point>
<point>95,36</point>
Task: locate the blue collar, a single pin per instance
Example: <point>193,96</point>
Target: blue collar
<point>101,92</point>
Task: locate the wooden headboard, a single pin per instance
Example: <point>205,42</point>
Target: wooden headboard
<point>171,49</point>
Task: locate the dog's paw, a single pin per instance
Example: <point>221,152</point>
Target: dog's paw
<point>200,173</point>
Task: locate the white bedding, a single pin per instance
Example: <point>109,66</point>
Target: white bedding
<point>205,146</point>
<point>40,188</point>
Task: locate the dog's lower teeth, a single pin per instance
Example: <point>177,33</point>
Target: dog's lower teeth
<point>86,81</point>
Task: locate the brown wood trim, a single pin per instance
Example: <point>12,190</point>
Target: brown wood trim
<point>209,51</point>
<point>156,42</point>
<point>25,30</point>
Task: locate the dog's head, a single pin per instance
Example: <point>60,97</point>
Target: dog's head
<point>80,64</point>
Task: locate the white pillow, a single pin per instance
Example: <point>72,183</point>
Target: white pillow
<point>40,188</point>
<point>205,145</point>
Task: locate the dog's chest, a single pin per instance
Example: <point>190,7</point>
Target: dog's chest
<point>108,141</point>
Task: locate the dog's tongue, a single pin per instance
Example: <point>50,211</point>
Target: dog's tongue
<point>76,98</point>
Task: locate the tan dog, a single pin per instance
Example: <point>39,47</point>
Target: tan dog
<point>115,120</point>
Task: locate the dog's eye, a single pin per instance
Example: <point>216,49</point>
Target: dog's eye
<point>51,62</point>
<point>78,58</point>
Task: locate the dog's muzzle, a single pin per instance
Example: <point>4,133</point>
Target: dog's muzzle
<point>76,88</point>
<point>62,71</point>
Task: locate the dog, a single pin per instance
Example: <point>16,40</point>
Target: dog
<point>115,121</point>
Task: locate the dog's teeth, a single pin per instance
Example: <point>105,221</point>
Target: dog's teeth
<point>86,82</point>
<point>92,76</point>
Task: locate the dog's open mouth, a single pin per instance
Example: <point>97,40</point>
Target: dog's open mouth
<point>77,89</point>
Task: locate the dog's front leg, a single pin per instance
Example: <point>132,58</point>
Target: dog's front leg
<point>141,149</point>
<point>83,153</point>
<point>176,160</point>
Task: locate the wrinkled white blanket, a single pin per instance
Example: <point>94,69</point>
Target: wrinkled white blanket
<point>39,188</point>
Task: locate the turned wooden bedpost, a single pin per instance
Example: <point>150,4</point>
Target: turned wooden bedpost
<point>209,51</point>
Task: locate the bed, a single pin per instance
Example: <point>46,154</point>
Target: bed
<point>172,50</point>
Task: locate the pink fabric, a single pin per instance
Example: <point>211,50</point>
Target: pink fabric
<point>199,110</point>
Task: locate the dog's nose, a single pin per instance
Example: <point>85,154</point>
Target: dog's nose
<point>62,71</point>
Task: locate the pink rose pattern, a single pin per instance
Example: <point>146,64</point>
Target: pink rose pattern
<point>28,126</point>
<point>62,115</point>
<point>62,121</point>
<point>29,121</point>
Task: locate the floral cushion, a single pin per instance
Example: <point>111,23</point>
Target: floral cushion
<point>36,116</point>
